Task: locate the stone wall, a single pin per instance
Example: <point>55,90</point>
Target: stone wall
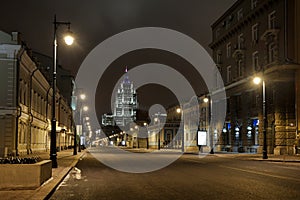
<point>25,176</point>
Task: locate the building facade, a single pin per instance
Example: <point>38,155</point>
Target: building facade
<point>259,38</point>
<point>125,105</point>
<point>166,130</point>
<point>297,52</point>
<point>25,108</point>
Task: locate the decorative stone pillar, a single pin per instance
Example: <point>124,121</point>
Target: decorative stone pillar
<point>284,115</point>
<point>284,135</point>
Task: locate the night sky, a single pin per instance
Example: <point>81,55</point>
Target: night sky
<point>93,21</point>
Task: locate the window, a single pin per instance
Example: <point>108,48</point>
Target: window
<point>240,68</point>
<point>229,77</point>
<point>228,50</point>
<point>255,99</point>
<point>219,57</point>
<point>271,20</point>
<point>25,94</point>
<point>240,14</point>
<point>240,41</point>
<point>21,93</point>
<point>119,112</point>
<point>255,33</point>
<point>238,110</point>
<point>255,63</point>
<point>254,4</point>
<point>271,52</point>
<point>228,105</point>
<point>239,102</point>
<point>229,21</point>
<point>217,33</point>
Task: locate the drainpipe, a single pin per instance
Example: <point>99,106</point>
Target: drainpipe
<point>29,150</point>
<point>47,105</point>
<point>287,59</point>
<point>59,122</point>
<point>19,108</point>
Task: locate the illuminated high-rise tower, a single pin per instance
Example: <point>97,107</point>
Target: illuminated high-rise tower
<point>125,102</point>
<point>125,105</point>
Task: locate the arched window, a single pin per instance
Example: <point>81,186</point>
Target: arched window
<point>271,52</point>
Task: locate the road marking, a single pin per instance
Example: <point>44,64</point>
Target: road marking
<point>194,160</point>
<point>261,173</point>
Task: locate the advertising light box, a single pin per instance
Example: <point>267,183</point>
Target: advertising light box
<point>201,138</point>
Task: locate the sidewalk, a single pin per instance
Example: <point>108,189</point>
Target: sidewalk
<point>65,160</point>
<point>236,155</point>
<point>258,157</point>
<point>144,150</point>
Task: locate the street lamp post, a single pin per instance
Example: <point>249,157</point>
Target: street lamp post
<point>69,41</point>
<point>147,138</point>
<point>158,142</point>
<point>82,98</point>
<point>156,119</point>
<point>82,109</point>
<point>208,122</point>
<point>75,141</point>
<point>210,113</point>
<point>179,111</point>
<point>137,135</point>
<point>257,81</point>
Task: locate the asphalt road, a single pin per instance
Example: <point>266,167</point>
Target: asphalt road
<point>189,177</point>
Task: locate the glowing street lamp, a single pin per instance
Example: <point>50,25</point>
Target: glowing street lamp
<point>69,39</point>
<point>85,108</point>
<point>205,100</point>
<point>53,153</point>
<point>82,96</point>
<point>257,80</point>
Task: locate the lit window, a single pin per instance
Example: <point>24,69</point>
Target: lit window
<point>272,20</point>
<point>255,33</point>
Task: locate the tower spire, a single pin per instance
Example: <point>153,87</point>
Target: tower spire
<point>126,78</point>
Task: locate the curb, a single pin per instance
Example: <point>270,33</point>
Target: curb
<point>274,160</point>
<point>65,172</point>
